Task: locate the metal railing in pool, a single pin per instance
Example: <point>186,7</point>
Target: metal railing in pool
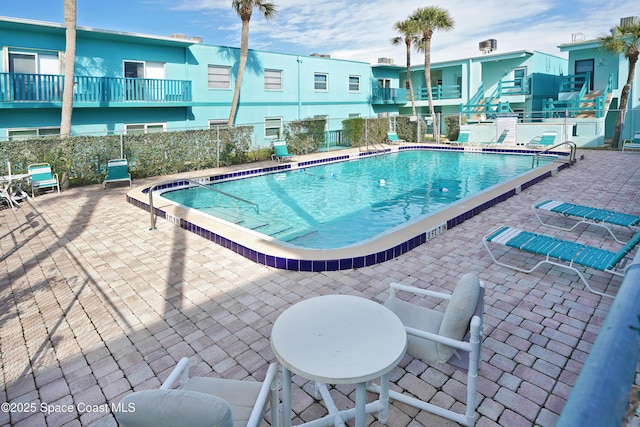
<point>572,153</point>
<point>197,184</point>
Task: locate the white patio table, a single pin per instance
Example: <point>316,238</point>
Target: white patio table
<point>11,188</point>
<point>339,339</point>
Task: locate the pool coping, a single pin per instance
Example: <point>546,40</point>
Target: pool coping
<point>273,253</point>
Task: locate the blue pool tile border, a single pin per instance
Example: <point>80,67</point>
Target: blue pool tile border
<point>344,263</point>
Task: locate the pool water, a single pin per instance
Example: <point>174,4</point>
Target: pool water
<point>340,204</point>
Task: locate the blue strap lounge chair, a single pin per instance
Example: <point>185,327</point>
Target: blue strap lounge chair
<point>561,253</point>
<point>392,137</point>
<point>280,151</point>
<point>42,177</point>
<point>587,215</point>
<point>117,171</point>
<point>463,137</point>
<point>546,140</point>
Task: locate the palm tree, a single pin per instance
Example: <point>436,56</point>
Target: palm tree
<point>623,40</point>
<point>429,19</point>
<point>409,35</point>
<point>69,65</point>
<point>244,9</point>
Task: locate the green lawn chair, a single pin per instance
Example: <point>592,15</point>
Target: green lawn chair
<point>117,171</point>
<point>42,177</point>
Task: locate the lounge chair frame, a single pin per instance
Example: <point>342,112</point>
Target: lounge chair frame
<point>587,215</point>
<point>547,139</point>
<point>561,253</point>
<point>467,358</point>
<point>634,144</point>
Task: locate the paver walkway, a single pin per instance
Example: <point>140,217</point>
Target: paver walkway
<point>95,305</point>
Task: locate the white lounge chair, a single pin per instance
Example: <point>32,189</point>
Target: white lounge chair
<point>201,401</point>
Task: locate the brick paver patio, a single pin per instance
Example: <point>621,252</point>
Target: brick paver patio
<point>95,305</point>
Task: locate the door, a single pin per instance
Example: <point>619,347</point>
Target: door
<point>155,87</point>
<point>134,80</point>
<point>581,67</point>
<point>23,81</point>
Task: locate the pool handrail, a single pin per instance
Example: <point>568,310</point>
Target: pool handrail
<point>572,153</point>
<point>196,183</point>
<point>601,392</point>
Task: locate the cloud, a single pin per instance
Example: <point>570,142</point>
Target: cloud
<point>361,30</point>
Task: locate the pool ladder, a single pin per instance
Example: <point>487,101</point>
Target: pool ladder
<point>195,183</point>
<point>572,153</point>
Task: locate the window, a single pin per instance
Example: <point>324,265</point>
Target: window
<point>272,127</point>
<point>219,77</point>
<point>354,115</point>
<point>23,134</point>
<point>272,79</point>
<point>354,83</point>
<point>137,129</point>
<point>321,81</point>
<point>519,74</point>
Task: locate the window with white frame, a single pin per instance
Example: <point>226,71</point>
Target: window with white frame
<point>23,134</point>
<point>321,81</point>
<point>219,77</point>
<point>140,128</point>
<point>272,127</point>
<point>354,83</point>
<point>354,115</point>
<point>272,79</point>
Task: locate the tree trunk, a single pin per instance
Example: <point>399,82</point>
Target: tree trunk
<point>69,66</point>
<point>244,51</point>
<point>622,107</point>
<point>412,97</point>
<point>427,77</point>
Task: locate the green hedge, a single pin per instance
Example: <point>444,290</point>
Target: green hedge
<point>82,159</point>
<point>357,132</point>
<point>305,136</point>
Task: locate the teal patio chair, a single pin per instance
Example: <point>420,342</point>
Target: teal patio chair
<point>463,137</point>
<point>202,401</point>
<point>561,253</point>
<point>500,139</point>
<point>545,140</point>
<point>633,144</point>
<point>392,137</point>
<point>117,171</point>
<point>280,151</point>
<point>42,177</point>
<point>587,215</point>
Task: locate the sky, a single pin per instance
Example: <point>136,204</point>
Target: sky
<point>349,29</point>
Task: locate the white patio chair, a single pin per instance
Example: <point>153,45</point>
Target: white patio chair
<point>453,336</point>
<point>202,401</point>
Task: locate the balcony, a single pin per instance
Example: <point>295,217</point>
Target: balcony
<point>387,95</point>
<point>45,90</point>
<point>438,92</point>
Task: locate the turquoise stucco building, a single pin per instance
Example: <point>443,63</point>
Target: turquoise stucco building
<point>132,83</point>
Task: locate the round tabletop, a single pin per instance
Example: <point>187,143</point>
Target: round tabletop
<point>338,339</point>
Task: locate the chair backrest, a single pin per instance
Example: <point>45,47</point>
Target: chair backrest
<point>280,148</point>
<point>171,407</point>
<point>548,138</point>
<point>392,136</point>
<point>502,136</point>
<point>40,172</point>
<point>636,138</point>
<point>463,136</point>
<point>117,168</point>
<point>465,301</point>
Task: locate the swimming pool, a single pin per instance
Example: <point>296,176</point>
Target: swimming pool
<point>341,204</point>
<point>267,250</point>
